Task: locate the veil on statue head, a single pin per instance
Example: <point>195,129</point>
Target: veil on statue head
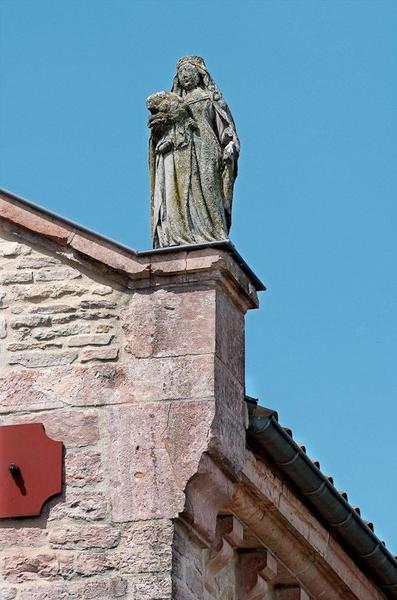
<point>207,81</point>
<point>209,84</point>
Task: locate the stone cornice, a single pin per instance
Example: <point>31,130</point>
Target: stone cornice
<point>217,260</point>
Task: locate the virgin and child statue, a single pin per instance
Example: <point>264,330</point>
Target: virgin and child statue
<point>193,154</point>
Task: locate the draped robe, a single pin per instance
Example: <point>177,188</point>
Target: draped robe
<point>191,184</point>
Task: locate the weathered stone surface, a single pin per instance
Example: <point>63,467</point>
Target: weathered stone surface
<point>229,336</point>
<point>12,249</point>
<point>30,321</point>
<point>60,274</point>
<point>72,427</point>
<point>83,537</point>
<point>50,290</point>
<point>37,262</point>
<point>171,378</point>
<point>99,354</point>
<point>110,256</point>
<point>63,319</point>
<point>155,531</point>
<point>19,567</point>
<point>20,346</point>
<point>103,328</point>
<point>16,277</point>
<point>96,303</point>
<point>86,385</point>
<point>83,468</point>
<point>152,586</point>
<point>8,593</point>
<point>3,304</point>
<point>69,330</point>
<point>207,187</point>
<point>33,221</point>
<point>3,327</point>
<point>137,559</point>
<point>21,391</point>
<point>53,308</point>
<point>31,537</point>
<point>102,290</point>
<point>91,340</point>
<point>43,359</point>
<point>170,323</point>
<point>92,589</point>
<point>89,507</point>
<point>156,449</point>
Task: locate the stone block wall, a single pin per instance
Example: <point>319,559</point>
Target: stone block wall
<point>61,346</point>
<point>51,313</point>
<point>125,371</point>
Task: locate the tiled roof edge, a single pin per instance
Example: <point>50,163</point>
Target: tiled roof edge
<point>266,434</point>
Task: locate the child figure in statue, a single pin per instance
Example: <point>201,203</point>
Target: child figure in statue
<point>193,159</point>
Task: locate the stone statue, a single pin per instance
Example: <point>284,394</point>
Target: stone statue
<point>193,154</point>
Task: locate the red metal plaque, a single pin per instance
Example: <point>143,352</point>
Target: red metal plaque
<point>30,469</point>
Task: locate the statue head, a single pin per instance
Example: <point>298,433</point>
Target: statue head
<point>191,71</point>
<point>188,76</point>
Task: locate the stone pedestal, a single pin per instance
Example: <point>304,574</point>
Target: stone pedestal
<point>184,356</point>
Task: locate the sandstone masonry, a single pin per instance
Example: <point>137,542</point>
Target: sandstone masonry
<point>136,363</point>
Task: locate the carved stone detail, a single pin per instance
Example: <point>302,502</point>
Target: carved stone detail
<point>193,154</point>
<point>256,569</point>
<point>291,593</point>
<point>229,535</point>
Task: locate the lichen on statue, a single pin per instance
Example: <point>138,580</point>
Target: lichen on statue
<point>193,154</point>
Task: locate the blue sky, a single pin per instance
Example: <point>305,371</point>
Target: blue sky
<point>312,87</point>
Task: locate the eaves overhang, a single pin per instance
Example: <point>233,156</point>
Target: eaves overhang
<point>266,435</point>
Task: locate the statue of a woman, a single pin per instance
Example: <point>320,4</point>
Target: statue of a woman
<point>193,152</point>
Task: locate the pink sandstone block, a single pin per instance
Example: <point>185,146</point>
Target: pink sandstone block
<point>155,449</point>
<point>44,225</point>
<point>170,322</point>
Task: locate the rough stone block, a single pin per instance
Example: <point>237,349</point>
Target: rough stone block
<point>13,536</point>
<point>99,354</point>
<point>8,593</point>
<point>156,449</point>
<point>3,327</point>
<point>70,329</point>
<point>21,346</point>
<point>12,249</point>
<point>102,290</point>
<point>16,277</point>
<point>152,586</point>
<point>37,262</point>
<point>230,343</point>
<point>83,468</point>
<point>96,303</point>
<point>30,321</point>
<point>170,323</point>
<point>61,274</point>
<point>44,358</point>
<point>83,537</point>
<point>20,567</point>
<point>50,290</point>
<point>21,391</point>
<point>74,428</point>
<point>91,340</point>
<point>155,531</point>
<point>91,589</point>
<point>171,377</point>
<point>89,507</point>
<point>52,308</point>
